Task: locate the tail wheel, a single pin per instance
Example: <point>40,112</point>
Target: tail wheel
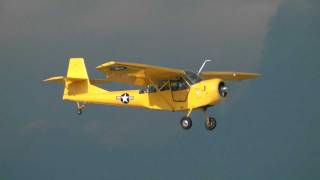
<point>79,111</point>
<point>210,123</point>
<point>186,122</point>
<point>80,107</point>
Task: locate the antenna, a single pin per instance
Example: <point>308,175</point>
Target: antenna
<point>203,64</point>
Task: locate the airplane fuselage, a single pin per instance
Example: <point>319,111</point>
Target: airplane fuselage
<point>198,95</point>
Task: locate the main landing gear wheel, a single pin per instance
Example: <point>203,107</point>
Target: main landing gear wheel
<point>186,122</point>
<point>210,123</point>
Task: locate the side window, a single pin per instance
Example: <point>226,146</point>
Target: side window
<point>151,89</point>
<point>178,84</point>
<point>148,89</point>
<point>164,85</point>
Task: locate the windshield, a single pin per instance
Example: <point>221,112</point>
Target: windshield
<point>192,77</point>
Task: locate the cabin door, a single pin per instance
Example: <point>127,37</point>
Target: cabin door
<point>179,90</point>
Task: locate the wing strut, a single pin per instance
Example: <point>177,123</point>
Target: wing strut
<point>203,64</point>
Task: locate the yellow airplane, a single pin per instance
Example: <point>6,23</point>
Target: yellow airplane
<point>164,88</point>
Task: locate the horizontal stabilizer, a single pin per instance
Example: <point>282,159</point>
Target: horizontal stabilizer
<point>56,79</point>
<point>62,79</point>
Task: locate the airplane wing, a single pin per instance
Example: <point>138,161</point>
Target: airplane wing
<point>137,74</point>
<point>229,76</point>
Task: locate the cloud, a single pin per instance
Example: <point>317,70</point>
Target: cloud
<point>201,22</point>
<point>165,33</point>
<point>39,34</point>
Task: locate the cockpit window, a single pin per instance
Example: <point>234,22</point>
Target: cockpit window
<point>178,84</point>
<point>192,77</point>
<point>149,89</point>
<point>164,85</point>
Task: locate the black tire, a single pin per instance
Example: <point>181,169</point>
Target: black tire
<point>79,111</point>
<point>210,123</point>
<point>186,122</point>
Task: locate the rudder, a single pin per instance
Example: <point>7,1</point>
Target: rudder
<point>77,69</point>
<point>77,80</point>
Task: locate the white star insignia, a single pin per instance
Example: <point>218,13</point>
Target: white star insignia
<point>125,98</point>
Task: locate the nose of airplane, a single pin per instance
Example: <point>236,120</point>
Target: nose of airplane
<point>223,89</point>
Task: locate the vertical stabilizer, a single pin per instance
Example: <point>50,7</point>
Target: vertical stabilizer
<point>77,83</point>
<point>77,80</point>
<point>77,69</point>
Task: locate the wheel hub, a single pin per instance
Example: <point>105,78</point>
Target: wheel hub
<point>210,123</point>
<point>185,123</point>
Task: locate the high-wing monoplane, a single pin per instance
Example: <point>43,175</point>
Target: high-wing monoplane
<point>162,88</point>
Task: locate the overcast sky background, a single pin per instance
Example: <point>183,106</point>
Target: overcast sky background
<point>267,129</point>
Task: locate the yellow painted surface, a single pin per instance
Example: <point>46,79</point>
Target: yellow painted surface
<point>77,69</point>
<point>137,74</point>
<point>229,76</point>
<point>79,89</point>
<point>202,94</point>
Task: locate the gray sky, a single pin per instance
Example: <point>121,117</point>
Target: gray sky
<point>267,129</point>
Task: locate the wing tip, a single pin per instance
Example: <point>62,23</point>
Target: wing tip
<point>105,64</point>
<point>257,75</point>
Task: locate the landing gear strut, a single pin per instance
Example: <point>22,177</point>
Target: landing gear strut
<point>210,122</point>
<point>80,107</point>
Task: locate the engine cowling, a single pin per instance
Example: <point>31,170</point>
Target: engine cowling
<point>208,92</point>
